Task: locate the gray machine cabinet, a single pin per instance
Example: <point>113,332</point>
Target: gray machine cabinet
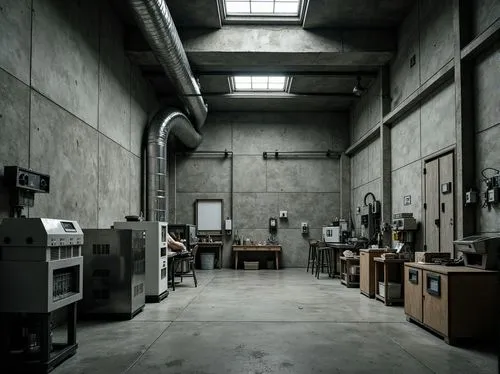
<point>113,273</point>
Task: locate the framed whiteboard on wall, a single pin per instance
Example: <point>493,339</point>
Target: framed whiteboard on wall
<point>209,216</point>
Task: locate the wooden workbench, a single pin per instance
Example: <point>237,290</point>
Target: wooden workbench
<point>389,270</point>
<point>256,248</point>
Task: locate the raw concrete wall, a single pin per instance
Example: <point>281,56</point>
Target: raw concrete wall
<point>72,106</point>
<point>427,34</point>
<point>487,113</point>
<point>309,189</point>
<point>366,163</point>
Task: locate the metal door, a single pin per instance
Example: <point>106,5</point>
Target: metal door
<point>432,219</point>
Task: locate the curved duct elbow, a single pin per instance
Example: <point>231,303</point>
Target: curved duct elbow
<point>155,21</point>
<point>167,121</point>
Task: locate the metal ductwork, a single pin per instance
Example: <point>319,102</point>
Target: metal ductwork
<point>167,121</point>
<point>155,21</point>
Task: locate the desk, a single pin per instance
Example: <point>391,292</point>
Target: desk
<point>335,249</point>
<point>257,248</point>
<point>212,245</point>
<point>389,270</point>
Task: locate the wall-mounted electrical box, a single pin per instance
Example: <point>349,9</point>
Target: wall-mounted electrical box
<point>228,226</point>
<point>283,214</point>
<point>494,195</point>
<point>273,224</point>
<point>471,197</point>
<point>305,227</point>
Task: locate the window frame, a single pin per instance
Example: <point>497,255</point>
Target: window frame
<point>270,19</point>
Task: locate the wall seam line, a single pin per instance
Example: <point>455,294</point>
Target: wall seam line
<point>99,20</point>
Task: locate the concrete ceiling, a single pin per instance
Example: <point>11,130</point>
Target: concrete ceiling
<point>339,41</point>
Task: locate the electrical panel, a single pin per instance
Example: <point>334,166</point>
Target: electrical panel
<point>305,227</point>
<point>17,177</point>
<point>273,224</point>
<point>283,214</point>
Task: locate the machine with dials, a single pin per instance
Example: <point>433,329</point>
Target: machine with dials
<point>41,271</point>
<point>479,251</point>
<point>156,256</point>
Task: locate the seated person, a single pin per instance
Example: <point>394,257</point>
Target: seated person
<point>175,245</point>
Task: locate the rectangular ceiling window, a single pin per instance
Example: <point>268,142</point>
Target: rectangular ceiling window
<point>280,8</point>
<point>260,83</point>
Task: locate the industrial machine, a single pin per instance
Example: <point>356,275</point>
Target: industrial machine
<point>156,257</point>
<point>185,233</point>
<point>41,270</point>
<point>479,251</point>
<point>331,234</point>
<point>370,218</point>
<point>113,273</point>
<point>404,227</point>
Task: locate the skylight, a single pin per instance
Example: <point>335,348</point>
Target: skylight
<point>288,8</point>
<point>259,83</point>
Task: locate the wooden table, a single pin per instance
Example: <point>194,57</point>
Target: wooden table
<point>389,270</point>
<point>256,248</point>
<point>346,278</point>
<point>212,245</point>
<point>335,249</point>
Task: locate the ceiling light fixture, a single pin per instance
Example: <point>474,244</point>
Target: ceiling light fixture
<point>358,89</point>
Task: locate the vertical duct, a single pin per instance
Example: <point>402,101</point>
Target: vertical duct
<point>167,121</point>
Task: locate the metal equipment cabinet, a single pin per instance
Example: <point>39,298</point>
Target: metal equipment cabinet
<point>367,271</point>
<point>455,302</point>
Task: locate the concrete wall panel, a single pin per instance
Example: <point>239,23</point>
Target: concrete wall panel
<point>485,12</point>
<point>488,155</point>
<point>65,55</point>
<point>114,182</point>
<point>487,99</point>
<point>255,209</point>
<point>250,174</point>
<point>300,209</point>
<point>405,141</point>
<point>319,175</point>
<point>436,36</point>
<point>374,160</point>
<point>135,185</point>
<point>203,174</point>
<point>438,121</point>
<point>65,148</point>
<point>217,134</point>
<point>139,96</point>
<point>308,187</point>
<point>408,181</point>
<point>114,82</point>
<point>15,38</point>
<point>14,129</point>
<point>406,79</point>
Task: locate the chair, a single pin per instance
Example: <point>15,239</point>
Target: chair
<point>311,258</point>
<point>190,260</point>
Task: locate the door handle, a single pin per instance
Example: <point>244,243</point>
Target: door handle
<point>442,207</point>
<point>437,222</point>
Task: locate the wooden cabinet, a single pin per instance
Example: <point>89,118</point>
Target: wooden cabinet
<point>367,271</point>
<point>413,293</point>
<point>455,302</point>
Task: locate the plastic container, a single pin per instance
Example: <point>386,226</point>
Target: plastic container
<point>251,265</point>
<point>207,261</point>
<point>393,290</point>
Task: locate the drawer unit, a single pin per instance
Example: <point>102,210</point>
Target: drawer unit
<point>455,302</point>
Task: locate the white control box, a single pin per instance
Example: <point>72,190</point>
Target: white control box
<point>283,214</point>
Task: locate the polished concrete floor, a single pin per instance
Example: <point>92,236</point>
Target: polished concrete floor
<point>268,322</point>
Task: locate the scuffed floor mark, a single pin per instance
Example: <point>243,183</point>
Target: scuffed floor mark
<point>174,363</point>
<point>286,365</point>
<point>258,354</point>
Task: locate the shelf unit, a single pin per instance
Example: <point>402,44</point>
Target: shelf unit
<point>347,278</point>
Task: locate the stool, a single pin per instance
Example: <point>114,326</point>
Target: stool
<point>313,244</point>
<point>322,260</point>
